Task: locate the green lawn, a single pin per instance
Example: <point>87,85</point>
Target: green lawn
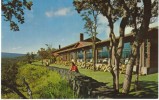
<point>107,77</point>
<point>148,83</point>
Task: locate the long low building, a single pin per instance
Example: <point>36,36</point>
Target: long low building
<point>82,51</point>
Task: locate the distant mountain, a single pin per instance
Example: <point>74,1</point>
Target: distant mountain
<point>10,55</point>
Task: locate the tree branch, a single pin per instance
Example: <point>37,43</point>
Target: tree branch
<point>13,88</point>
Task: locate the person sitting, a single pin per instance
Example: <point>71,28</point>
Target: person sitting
<point>74,68</point>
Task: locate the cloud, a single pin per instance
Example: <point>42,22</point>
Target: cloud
<point>129,29</point>
<point>59,12</point>
<point>103,25</point>
<point>102,19</point>
<point>104,28</point>
<point>16,48</point>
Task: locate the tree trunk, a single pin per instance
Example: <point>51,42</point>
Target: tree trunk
<point>116,71</point>
<point>138,40</point>
<point>111,68</point>
<point>119,47</point>
<point>94,55</point>
<point>128,75</point>
<point>114,79</point>
<point>28,88</point>
<point>137,72</point>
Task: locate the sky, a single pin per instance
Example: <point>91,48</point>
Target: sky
<point>53,22</point>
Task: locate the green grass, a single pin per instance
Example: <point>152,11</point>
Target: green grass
<point>100,76</point>
<point>148,84</point>
<point>37,63</point>
<point>107,77</point>
<point>44,83</point>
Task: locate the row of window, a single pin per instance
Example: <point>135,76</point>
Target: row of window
<point>103,52</point>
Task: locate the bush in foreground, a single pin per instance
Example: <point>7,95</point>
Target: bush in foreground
<point>42,82</point>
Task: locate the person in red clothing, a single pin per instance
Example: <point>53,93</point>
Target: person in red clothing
<point>74,68</point>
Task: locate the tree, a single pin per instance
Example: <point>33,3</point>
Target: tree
<point>90,16</point>
<point>112,10</point>
<point>140,20</point>
<point>46,53</point>
<point>43,54</point>
<point>13,12</point>
<point>30,57</point>
<point>8,79</point>
<point>49,51</point>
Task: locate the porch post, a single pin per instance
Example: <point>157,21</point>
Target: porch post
<point>96,56</point>
<point>141,64</point>
<point>75,56</point>
<point>68,56</point>
<point>84,57</point>
<point>143,54</point>
<point>148,54</point>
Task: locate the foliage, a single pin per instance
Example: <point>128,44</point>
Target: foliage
<point>141,18</point>
<point>112,11</point>
<point>46,53</point>
<point>43,82</point>
<point>60,90</point>
<point>13,12</point>
<point>30,57</point>
<point>9,72</point>
<point>134,13</point>
<point>90,18</point>
<point>90,15</point>
<point>49,51</point>
<point>43,53</point>
<point>99,5</point>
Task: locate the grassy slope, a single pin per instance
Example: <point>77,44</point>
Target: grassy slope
<point>43,83</point>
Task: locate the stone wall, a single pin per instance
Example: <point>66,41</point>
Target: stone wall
<point>83,86</point>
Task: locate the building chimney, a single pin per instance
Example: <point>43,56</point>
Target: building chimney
<point>59,46</point>
<point>81,37</point>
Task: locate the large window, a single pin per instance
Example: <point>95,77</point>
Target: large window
<point>89,55</point>
<point>80,54</point>
<point>103,53</point>
<point>126,50</point>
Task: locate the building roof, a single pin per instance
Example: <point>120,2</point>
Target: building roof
<point>80,43</point>
<point>99,43</point>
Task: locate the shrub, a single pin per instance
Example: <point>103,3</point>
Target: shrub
<point>44,83</point>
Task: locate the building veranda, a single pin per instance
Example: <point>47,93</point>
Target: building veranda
<point>81,53</point>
